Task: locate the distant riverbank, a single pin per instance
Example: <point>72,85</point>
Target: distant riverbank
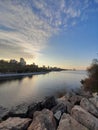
<point>19,75</point>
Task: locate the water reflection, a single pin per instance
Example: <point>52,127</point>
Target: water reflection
<point>34,88</point>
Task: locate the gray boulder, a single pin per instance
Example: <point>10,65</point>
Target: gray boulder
<point>85,118</point>
<point>62,99</point>
<point>33,108</point>
<point>4,113</point>
<point>67,106</point>
<point>83,93</point>
<point>94,100</point>
<point>43,120</point>
<point>69,123</point>
<point>59,107</point>
<point>19,110</point>
<point>73,98</point>
<point>15,123</point>
<point>49,102</point>
<point>88,106</point>
<point>58,115</point>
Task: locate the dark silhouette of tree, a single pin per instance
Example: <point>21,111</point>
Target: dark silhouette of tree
<point>14,66</point>
<point>22,61</point>
<point>91,83</point>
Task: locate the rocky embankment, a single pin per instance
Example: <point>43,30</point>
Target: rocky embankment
<point>73,111</point>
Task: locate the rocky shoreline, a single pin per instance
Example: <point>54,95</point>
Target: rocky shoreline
<point>73,111</point>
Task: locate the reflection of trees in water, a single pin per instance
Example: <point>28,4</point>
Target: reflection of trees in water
<point>11,79</point>
<point>19,78</point>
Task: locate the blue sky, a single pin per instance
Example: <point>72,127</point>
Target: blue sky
<point>62,33</point>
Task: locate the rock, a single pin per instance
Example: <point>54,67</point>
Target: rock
<point>73,98</point>
<point>58,115</point>
<point>49,102</point>
<point>43,120</point>
<point>32,108</point>
<point>69,95</point>
<point>62,107</point>
<point>59,107</point>
<point>19,111</point>
<point>95,94</point>
<point>61,100</point>
<point>69,123</point>
<point>86,94</point>
<point>88,106</point>
<point>4,112</point>
<point>94,100</point>
<point>85,118</point>
<point>46,103</point>
<point>66,105</point>
<point>69,107</point>
<point>15,123</point>
<point>83,93</point>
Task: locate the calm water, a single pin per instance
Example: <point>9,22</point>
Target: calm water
<point>37,87</point>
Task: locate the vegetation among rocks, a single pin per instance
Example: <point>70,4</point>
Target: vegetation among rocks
<point>91,83</point>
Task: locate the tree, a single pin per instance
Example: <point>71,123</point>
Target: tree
<point>94,61</point>
<point>91,83</point>
<point>22,62</point>
<point>13,61</point>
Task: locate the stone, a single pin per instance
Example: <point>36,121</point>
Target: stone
<point>59,107</point>
<point>61,100</point>
<point>19,110</point>
<point>83,93</point>
<point>43,120</point>
<point>66,104</point>
<point>15,123</point>
<point>63,106</point>
<point>69,123</point>
<point>33,108</point>
<point>58,115</point>
<point>49,102</point>
<point>4,113</point>
<point>69,95</point>
<point>94,100</point>
<point>69,107</point>
<point>95,94</point>
<point>73,98</point>
<point>84,117</point>
<point>88,106</point>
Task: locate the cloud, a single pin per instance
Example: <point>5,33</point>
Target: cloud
<point>21,28</point>
<point>26,26</point>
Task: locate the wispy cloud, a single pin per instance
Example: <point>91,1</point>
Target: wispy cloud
<point>21,28</point>
<point>26,25</point>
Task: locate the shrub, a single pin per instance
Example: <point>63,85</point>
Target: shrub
<point>91,83</point>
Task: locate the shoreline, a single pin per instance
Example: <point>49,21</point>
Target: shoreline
<point>74,109</point>
<point>19,75</point>
<point>5,76</point>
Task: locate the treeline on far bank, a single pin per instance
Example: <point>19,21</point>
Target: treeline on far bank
<point>91,82</point>
<point>14,66</point>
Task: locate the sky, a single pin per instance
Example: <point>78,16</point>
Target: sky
<point>62,33</point>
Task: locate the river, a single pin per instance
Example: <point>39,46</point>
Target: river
<point>37,87</point>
